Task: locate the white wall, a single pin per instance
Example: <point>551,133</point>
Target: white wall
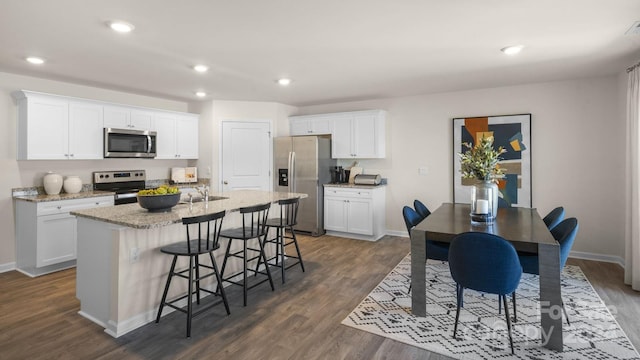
<point>578,134</point>
<point>28,173</point>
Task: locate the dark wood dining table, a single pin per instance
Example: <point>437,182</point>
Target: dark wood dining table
<point>522,227</point>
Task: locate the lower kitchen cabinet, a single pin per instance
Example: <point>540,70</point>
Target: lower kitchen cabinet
<point>46,233</point>
<point>355,212</point>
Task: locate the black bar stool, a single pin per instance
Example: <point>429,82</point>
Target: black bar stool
<point>253,227</point>
<point>288,219</point>
<point>193,248</point>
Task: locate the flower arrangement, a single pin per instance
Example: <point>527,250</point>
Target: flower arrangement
<point>481,161</point>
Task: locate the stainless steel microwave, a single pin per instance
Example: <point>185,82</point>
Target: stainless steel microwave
<point>127,143</point>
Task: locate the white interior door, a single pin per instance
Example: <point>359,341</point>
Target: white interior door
<point>246,155</point>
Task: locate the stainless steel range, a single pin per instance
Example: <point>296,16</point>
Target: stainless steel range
<point>125,184</point>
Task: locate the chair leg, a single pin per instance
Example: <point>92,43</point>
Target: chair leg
<point>244,271</point>
<point>566,316</point>
<point>224,265</point>
<point>264,258</point>
<point>295,242</point>
<point>459,291</point>
<point>280,236</point>
<point>189,296</point>
<point>220,289</point>
<point>166,288</point>
<point>515,313</point>
<point>506,314</point>
<point>197,266</point>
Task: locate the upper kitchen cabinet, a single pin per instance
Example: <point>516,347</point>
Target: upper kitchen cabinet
<point>177,135</point>
<point>358,135</point>
<point>57,128</point>
<point>120,117</point>
<point>310,125</point>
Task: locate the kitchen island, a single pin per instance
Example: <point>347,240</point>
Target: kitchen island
<point>120,269</point>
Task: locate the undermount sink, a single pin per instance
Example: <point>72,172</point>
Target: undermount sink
<point>197,199</point>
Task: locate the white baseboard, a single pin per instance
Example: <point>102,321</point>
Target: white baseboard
<point>397,233</point>
<point>7,267</point>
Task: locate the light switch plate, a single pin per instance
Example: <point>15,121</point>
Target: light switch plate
<point>423,171</point>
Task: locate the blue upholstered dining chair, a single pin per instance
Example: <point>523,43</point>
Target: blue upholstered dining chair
<point>565,234</point>
<point>421,208</point>
<point>435,250</point>
<point>487,263</point>
<point>554,217</point>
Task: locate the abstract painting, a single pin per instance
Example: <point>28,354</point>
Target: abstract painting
<point>512,132</point>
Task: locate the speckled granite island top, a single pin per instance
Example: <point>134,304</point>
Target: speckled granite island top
<point>132,215</point>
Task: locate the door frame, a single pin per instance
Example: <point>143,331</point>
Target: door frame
<point>220,147</point>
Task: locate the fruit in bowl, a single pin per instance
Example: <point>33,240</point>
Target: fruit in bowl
<point>160,199</point>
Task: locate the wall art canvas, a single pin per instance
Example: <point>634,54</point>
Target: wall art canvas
<point>513,132</point>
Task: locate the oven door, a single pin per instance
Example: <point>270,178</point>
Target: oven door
<point>124,143</point>
<point>125,198</point>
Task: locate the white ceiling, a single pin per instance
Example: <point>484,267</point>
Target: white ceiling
<point>334,50</point>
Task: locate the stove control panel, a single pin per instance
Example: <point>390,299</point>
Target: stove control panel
<point>100,177</point>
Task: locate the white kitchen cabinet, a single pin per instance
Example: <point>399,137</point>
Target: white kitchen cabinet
<point>121,117</point>
<point>177,136</point>
<point>46,233</point>
<point>358,135</point>
<point>55,128</point>
<point>310,125</point>
<point>356,212</point>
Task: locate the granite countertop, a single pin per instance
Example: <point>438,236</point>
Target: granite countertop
<point>132,215</point>
<point>354,186</point>
<point>62,196</point>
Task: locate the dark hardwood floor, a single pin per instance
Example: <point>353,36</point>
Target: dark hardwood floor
<point>299,320</point>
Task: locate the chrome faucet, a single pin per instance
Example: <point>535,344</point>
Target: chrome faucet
<point>204,191</point>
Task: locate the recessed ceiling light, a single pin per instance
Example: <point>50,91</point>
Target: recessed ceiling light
<point>35,60</point>
<point>201,68</point>
<point>512,50</point>
<point>121,26</point>
<point>284,81</point>
<point>201,94</point>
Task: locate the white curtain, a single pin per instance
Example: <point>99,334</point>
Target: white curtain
<point>632,229</point>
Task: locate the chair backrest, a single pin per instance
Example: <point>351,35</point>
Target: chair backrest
<point>211,238</point>
<point>254,219</point>
<point>421,208</point>
<point>565,233</point>
<point>289,211</point>
<point>484,262</point>
<point>553,218</point>
<point>411,218</point>
<point>502,203</point>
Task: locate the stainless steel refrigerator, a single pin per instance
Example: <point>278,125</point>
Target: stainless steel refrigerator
<point>302,164</point>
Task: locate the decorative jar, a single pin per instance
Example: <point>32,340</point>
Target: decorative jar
<point>484,202</point>
<point>72,184</point>
<point>52,183</point>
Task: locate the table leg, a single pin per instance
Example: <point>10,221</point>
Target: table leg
<point>418,273</point>
<point>550,296</point>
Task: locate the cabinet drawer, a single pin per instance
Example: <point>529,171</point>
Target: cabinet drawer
<point>351,193</point>
<point>65,206</point>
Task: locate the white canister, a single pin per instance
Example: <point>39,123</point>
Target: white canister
<point>72,184</point>
<point>52,183</point>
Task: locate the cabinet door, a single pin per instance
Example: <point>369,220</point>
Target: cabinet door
<point>341,138</point>
<point>298,126</point>
<point>320,125</point>
<point>164,125</point>
<point>56,239</point>
<point>117,117</point>
<point>85,131</point>
<point>360,216</point>
<point>141,120</point>
<point>365,136</point>
<point>187,137</point>
<point>47,134</point>
<point>335,215</point>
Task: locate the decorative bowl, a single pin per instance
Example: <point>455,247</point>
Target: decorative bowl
<point>159,203</point>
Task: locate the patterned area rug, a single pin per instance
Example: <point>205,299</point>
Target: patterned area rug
<point>482,334</point>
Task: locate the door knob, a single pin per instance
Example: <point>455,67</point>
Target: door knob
<point>225,182</point>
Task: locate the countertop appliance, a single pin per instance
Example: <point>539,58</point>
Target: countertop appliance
<point>125,184</point>
<point>128,143</point>
<point>303,164</point>
<point>368,179</point>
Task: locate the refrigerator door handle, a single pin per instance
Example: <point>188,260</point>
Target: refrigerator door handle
<point>292,171</point>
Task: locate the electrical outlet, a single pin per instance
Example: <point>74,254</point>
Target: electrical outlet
<point>423,171</point>
<point>134,255</point>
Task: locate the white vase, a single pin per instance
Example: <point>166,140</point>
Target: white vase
<point>52,183</point>
<point>72,185</point>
